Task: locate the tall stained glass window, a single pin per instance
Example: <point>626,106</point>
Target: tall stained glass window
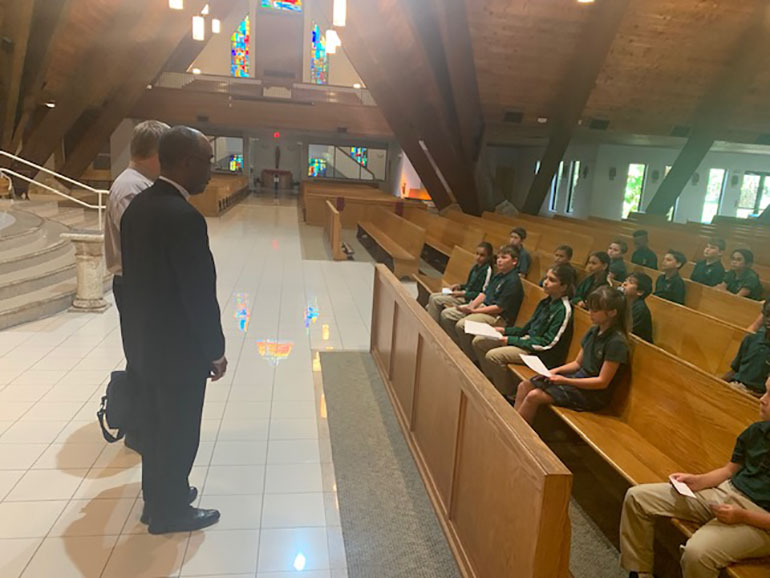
<point>361,155</point>
<point>289,5</point>
<point>319,59</point>
<point>239,53</point>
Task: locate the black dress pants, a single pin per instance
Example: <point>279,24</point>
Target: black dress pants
<point>171,434</point>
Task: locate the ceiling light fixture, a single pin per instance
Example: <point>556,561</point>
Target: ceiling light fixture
<point>340,12</point>
<point>205,10</point>
<point>50,104</point>
<point>542,119</point>
<point>333,41</point>
<point>198,28</point>
<point>216,26</point>
<point>196,70</point>
<point>585,1</point>
<point>357,85</point>
<point>176,4</point>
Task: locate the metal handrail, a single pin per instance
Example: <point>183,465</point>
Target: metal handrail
<point>99,192</point>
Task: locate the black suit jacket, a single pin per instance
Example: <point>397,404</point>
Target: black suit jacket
<point>172,328</point>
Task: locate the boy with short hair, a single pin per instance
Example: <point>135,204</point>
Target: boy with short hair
<point>518,236</point>
<point>670,285</point>
<point>617,269</point>
<point>709,270</point>
<point>643,255</point>
<point>731,502</point>
<point>751,367</point>
<point>498,305</point>
<point>637,288</point>
<point>562,255</point>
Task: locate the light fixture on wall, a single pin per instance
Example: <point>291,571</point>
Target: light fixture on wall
<point>196,71</point>
<point>205,11</point>
<point>655,176</point>
<point>613,173</point>
<point>176,4</point>
<point>216,26</point>
<point>333,41</point>
<point>695,178</point>
<point>357,85</point>
<point>198,28</point>
<point>340,12</point>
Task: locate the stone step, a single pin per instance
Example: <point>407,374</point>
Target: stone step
<point>29,279</point>
<point>26,229</point>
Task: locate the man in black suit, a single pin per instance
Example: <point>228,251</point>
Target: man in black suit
<point>172,329</point>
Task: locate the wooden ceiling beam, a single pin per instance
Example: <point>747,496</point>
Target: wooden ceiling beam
<point>15,32</point>
<point>713,114</point>
<point>578,82</point>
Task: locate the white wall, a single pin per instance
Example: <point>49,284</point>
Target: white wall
<point>602,196</point>
<point>406,176</point>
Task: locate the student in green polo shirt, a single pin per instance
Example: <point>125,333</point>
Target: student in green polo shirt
<point>547,334</point>
<point>643,255</point>
<point>517,237</point>
<point>637,287</point>
<point>710,271</point>
<point>670,285</point>
<point>751,367</point>
<point>617,249</point>
<point>598,270</point>
<point>741,279</point>
<point>587,383</point>
<point>732,503</point>
<point>498,305</point>
<point>478,278</point>
<point>561,255</point>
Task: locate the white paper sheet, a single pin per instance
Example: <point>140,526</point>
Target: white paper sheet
<point>446,291</point>
<point>534,363</point>
<point>482,329</point>
<point>683,489</point>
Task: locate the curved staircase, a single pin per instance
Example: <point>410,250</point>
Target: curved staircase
<point>37,267</point>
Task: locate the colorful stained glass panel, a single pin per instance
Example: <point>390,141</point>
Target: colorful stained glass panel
<point>319,59</point>
<point>288,5</point>
<point>361,155</point>
<point>317,167</point>
<point>239,52</point>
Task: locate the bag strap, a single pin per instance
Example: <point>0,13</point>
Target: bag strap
<point>105,432</point>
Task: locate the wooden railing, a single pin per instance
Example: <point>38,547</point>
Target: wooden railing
<point>500,494</point>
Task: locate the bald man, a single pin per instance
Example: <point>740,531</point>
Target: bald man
<point>172,327</point>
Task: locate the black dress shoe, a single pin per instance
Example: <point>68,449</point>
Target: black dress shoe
<point>191,520</point>
<point>191,497</point>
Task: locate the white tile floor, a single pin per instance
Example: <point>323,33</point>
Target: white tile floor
<point>70,503</point>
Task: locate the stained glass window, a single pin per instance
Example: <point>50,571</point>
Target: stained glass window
<point>319,60</point>
<point>361,155</point>
<point>236,163</point>
<point>289,5</point>
<point>317,167</point>
<point>239,53</point>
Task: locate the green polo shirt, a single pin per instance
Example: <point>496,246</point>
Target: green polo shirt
<point>478,277</point>
<point>645,257</point>
<point>600,347</point>
<point>586,287</point>
<point>641,320</point>
<point>708,274</point>
<point>748,279</point>
<point>525,262</point>
<point>618,269</point>
<point>752,364</point>
<point>505,291</point>
<point>672,289</point>
<point>752,452</point>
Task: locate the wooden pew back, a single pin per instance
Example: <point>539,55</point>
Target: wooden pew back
<point>496,233</point>
<point>443,233</point>
<point>333,232</point>
<point>457,268</point>
<point>487,472</point>
<point>409,236</point>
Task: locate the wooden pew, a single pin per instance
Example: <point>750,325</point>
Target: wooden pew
<point>495,233</point>
<point>720,304</point>
<point>668,416</point>
<point>397,241</point>
<point>333,232</point>
<point>443,234</point>
<point>499,492</point>
<point>222,192</point>
<point>602,235</point>
<point>550,236</point>
<point>459,264</point>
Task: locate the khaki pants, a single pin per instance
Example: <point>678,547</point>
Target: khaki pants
<point>453,322</point>
<point>438,301</point>
<point>711,548</point>
<point>494,357</point>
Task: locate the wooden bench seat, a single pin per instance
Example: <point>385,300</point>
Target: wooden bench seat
<point>668,416</point>
<point>459,264</point>
<point>395,239</point>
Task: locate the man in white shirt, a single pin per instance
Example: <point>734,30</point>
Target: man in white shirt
<point>142,171</point>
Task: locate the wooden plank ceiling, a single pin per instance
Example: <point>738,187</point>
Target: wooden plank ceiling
<point>666,56</point>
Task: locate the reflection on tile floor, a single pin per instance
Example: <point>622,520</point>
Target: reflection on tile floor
<point>70,503</point>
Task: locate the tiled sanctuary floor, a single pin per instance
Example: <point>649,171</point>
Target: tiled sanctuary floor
<point>69,502</point>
